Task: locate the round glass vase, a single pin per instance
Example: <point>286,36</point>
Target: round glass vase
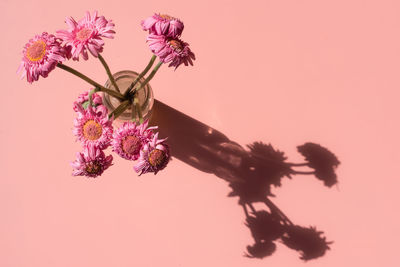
<point>145,96</point>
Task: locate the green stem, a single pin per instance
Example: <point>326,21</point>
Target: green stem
<point>109,73</point>
<point>119,110</point>
<point>138,108</point>
<point>90,95</point>
<point>148,79</point>
<point>153,58</point>
<point>133,112</point>
<point>87,79</point>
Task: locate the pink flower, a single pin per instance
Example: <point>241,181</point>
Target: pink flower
<point>86,35</point>
<point>92,127</point>
<point>170,50</point>
<point>153,157</point>
<point>82,103</point>
<point>40,56</point>
<point>163,25</point>
<point>91,163</point>
<point>130,138</point>
<point>84,97</point>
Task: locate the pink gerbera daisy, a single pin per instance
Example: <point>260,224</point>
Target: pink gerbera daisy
<point>40,56</point>
<point>93,128</point>
<point>153,157</point>
<point>91,163</point>
<point>163,25</point>
<point>171,50</point>
<point>130,138</point>
<point>86,35</point>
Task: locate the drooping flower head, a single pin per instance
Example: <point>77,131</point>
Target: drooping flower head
<point>161,24</point>
<point>93,128</point>
<point>82,103</point>
<point>130,138</point>
<point>40,56</point>
<point>86,35</point>
<point>91,163</point>
<point>83,100</point>
<point>153,157</point>
<point>171,50</point>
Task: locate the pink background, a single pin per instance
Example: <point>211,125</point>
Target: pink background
<point>281,72</point>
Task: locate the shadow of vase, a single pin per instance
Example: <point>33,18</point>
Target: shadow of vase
<point>251,174</point>
<point>199,145</point>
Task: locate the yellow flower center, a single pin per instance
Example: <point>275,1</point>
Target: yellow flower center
<point>176,45</point>
<point>83,34</point>
<point>92,130</point>
<point>165,16</point>
<point>36,51</point>
<point>156,157</point>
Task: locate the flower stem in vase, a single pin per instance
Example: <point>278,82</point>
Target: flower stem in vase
<point>144,72</point>
<point>102,60</point>
<point>133,109</point>
<point>119,110</point>
<point>138,108</point>
<point>153,72</point>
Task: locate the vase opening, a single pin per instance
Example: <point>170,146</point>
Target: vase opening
<point>145,96</point>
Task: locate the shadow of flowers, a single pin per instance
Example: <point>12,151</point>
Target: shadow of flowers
<point>251,173</point>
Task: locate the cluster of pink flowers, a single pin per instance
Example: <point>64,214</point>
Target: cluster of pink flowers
<point>43,52</point>
<point>165,42</point>
<point>139,142</point>
<point>93,124</point>
<point>94,129</point>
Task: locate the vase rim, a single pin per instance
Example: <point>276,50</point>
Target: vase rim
<point>146,102</point>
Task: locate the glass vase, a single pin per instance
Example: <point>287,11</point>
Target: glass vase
<point>145,95</point>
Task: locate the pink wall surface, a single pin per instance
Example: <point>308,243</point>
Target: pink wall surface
<point>280,72</point>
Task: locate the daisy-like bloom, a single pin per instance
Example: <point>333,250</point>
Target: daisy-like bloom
<point>40,56</point>
<point>91,163</point>
<point>130,138</point>
<point>153,157</point>
<point>93,128</point>
<point>161,24</point>
<point>171,50</point>
<point>86,35</point>
<point>84,97</point>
